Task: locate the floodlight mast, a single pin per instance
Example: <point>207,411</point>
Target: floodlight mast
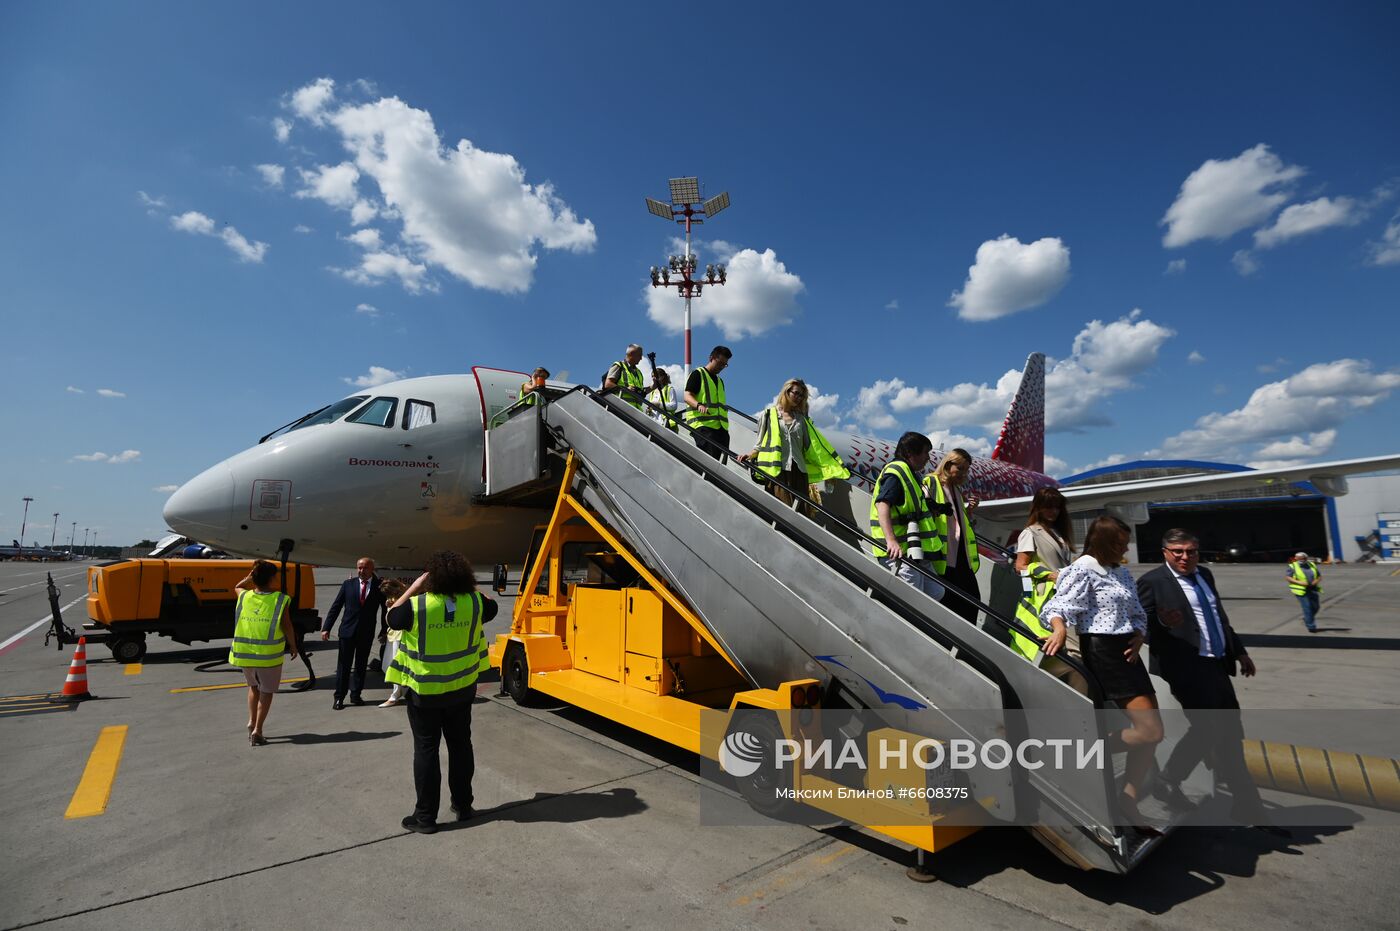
<point>685,198</point>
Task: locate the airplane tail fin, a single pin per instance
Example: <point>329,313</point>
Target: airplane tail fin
<point>1022,439</point>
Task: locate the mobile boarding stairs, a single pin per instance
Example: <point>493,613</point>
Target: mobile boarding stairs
<point>787,599</point>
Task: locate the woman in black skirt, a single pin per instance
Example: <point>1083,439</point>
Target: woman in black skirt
<point>1096,594</point>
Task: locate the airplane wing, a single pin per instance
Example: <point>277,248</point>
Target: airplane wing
<point>1329,478</point>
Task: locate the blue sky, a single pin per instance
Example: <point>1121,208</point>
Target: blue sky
<point>1191,208</point>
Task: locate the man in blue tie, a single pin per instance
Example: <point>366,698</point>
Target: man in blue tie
<point>1194,648</point>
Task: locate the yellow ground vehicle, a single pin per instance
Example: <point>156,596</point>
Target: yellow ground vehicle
<point>595,628</point>
<point>186,600</point>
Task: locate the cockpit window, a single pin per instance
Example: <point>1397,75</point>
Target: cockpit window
<point>328,414</point>
<point>418,414</point>
<point>378,413</point>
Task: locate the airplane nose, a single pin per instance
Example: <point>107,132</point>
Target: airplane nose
<point>202,508</point>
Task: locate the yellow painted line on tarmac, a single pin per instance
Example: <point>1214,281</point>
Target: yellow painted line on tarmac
<point>95,788</point>
<point>231,685</point>
<point>23,698</point>
<point>51,705</point>
<point>1395,573</point>
<point>133,669</point>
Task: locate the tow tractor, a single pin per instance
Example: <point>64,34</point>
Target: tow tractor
<point>187,600</point>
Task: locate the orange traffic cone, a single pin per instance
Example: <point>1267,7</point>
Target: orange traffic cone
<point>75,686</point>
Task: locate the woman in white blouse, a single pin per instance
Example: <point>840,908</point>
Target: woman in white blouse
<point>1098,597</point>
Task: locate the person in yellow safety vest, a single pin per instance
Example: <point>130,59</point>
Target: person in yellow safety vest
<point>1043,548</point>
<point>626,377</point>
<point>1305,580</point>
<point>708,414</point>
<point>262,632</point>
<point>530,391</point>
<point>440,655</point>
<point>662,398</point>
<point>956,562</point>
<point>899,503</point>
<point>791,452</point>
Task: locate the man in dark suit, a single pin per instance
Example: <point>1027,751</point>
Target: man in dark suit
<point>1196,650</point>
<point>361,599</point>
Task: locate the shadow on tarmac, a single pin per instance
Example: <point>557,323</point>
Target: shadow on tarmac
<point>342,737</point>
<point>1194,861</point>
<point>559,808</point>
<point>1319,642</point>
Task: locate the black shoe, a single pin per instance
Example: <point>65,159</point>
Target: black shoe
<point>1170,792</point>
<point>304,686</point>
<point>466,815</point>
<point>374,666</point>
<point>356,700</point>
<point>339,704</point>
<point>412,823</point>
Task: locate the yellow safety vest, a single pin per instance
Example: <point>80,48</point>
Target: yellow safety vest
<point>664,395</point>
<point>257,630</point>
<point>940,564</point>
<point>531,398</point>
<point>1298,582</point>
<point>445,649</point>
<point>629,379</point>
<point>711,395</point>
<point>913,509</point>
<point>1028,609</point>
<point>821,460</point>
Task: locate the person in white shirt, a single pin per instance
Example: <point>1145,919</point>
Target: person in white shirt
<point>1096,595</point>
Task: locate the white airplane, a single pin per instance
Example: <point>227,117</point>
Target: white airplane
<point>393,473</point>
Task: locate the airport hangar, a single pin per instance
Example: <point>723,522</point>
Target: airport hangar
<point>1265,524</point>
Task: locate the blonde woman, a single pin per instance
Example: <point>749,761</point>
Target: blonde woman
<point>792,455</point>
<point>956,560</point>
<point>393,590</point>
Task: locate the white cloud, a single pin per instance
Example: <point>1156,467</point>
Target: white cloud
<point>870,405</point>
<point>761,294</point>
<point>194,222</point>
<point>369,310</point>
<point>1268,368</point>
<point>1387,251</point>
<point>1195,358</point>
<point>71,390</point>
<point>1294,450</point>
<point>1221,198</point>
<point>166,489</point>
<point>310,102</point>
<point>1244,262</point>
<point>150,201</point>
<point>1310,403</point>
<point>378,267</point>
<point>893,305</point>
<point>1104,360</point>
<point>1054,465</point>
<point>365,239</point>
<point>129,455</point>
<point>945,440</point>
<point>282,129</point>
<point>822,407</point>
<point>301,228</point>
<point>1175,267</point>
<point>467,211</point>
<point>376,376</point>
<point>335,185</point>
<point>109,393</point>
<point>1009,276</point>
<point>1301,219</point>
<point>271,174</point>
<point>1112,460</point>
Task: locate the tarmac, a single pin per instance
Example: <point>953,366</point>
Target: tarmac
<point>582,823</point>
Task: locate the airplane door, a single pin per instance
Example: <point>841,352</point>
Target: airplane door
<point>499,388</point>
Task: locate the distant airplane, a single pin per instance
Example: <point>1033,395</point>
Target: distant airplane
<point>392,473</point>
